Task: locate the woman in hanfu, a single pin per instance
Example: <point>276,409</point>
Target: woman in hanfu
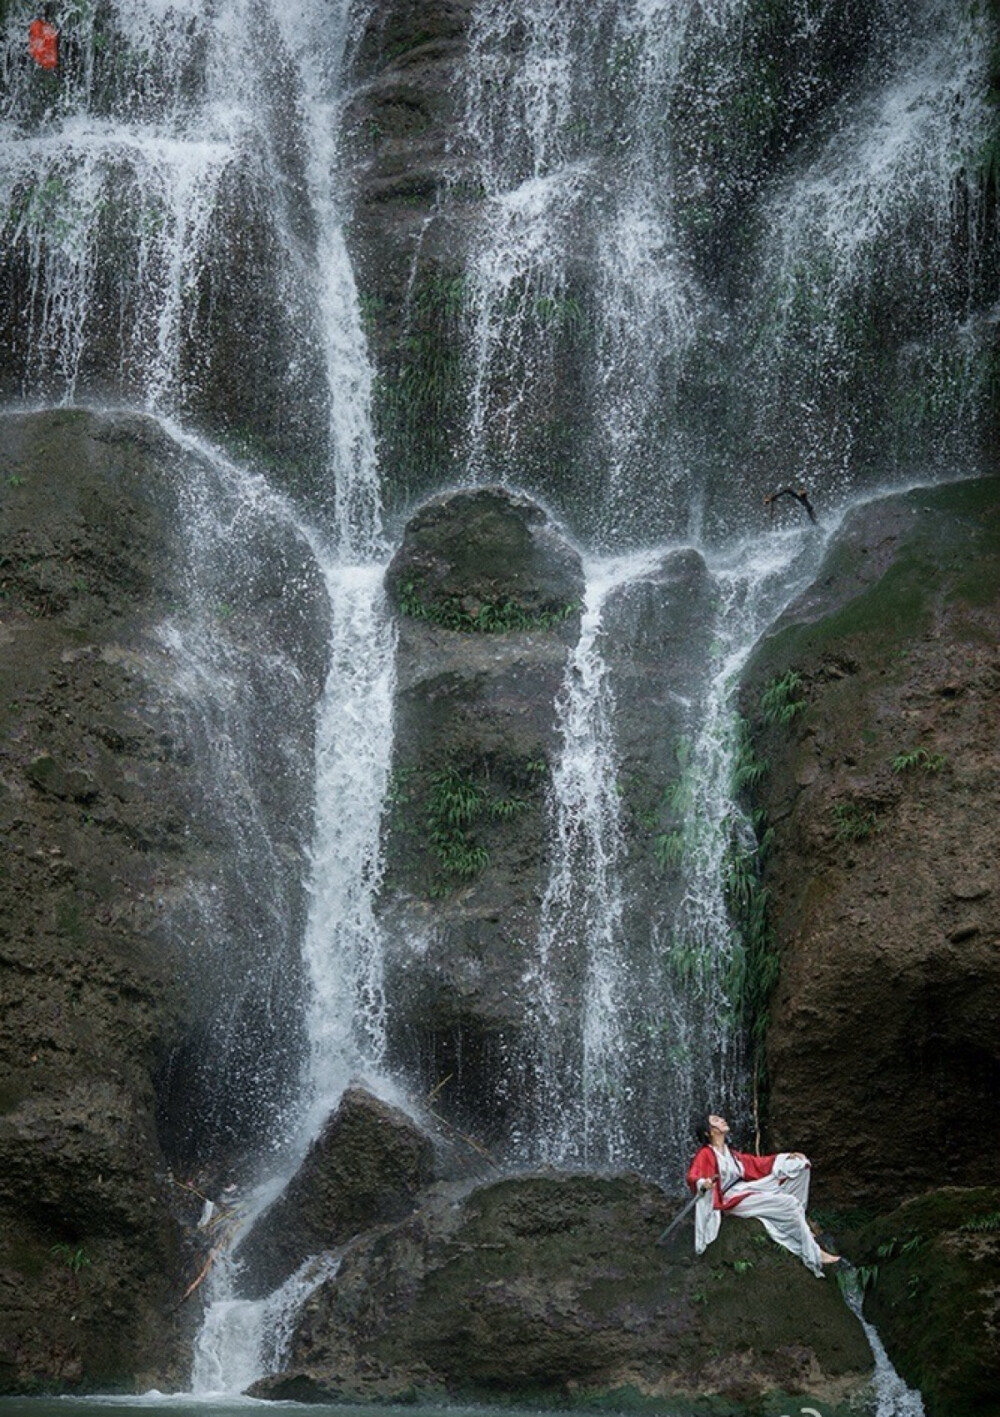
<point>771,1189</point>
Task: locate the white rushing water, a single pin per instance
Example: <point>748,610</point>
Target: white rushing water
<point>580,979</point>
<point>345,1005</point>
<point>242,1340</point>
<point>891,1396</point>
<point>343,948</point>
<point>143,182</point>
<point>636,1021</point>
<point>862,268</point>
<point>615,147</point>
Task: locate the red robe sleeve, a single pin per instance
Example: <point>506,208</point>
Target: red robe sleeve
<point>703,1164</point>
<point>755,1168</point>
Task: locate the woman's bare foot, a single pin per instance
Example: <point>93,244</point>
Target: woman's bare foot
<point>824,1258</point>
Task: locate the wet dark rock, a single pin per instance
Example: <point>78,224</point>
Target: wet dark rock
<point>364,1169</point>
<point>486,560</point>
<point>885,866</point>
<point>416,208</point>
<point>113,840</point>
<point>655,638</point>
<point>936,1274</point>
<point>475,733</point>
<point>551,1289</point>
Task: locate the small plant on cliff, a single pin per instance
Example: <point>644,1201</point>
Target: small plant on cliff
<point>455,803</point>
<point>668,848</point>
<point>866,1276</point>
<point>918,758</point>
<point>783,699</point>
<point>497,617</point>
<point>894,1248</point>
<point>75,1258</point>
<point>748,770</point>
<point>982,1224</point>
<point>753,972</point>
<point>852,822</point>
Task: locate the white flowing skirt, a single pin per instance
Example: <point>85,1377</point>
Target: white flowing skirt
<point>778,1201</point>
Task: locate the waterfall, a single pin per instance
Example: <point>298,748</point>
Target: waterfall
<point>683,293</point>
<point>866,272</point>
<point>345,1003</point>
<point>699,943</point>
<point>637,1021</point>
<point>110,186</point>
<point>581,984</point>
<point>713,255</point>
<point>242,1340</point>
<point>173,237</point>
<point>346,1009</point>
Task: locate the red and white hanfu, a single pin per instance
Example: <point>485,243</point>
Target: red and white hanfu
<point>771,1189</point>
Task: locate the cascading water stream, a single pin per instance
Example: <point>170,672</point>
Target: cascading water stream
<point>101,173</point>
<point>637,1021</point>
<point>119,181</point>
<point>702,947</point>
<point>345,1007</point>
<point>865,267</point>
<point>581,983</point>
<point>607,325</point>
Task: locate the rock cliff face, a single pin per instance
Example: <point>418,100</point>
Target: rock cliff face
<point>655,639</point>
<point>112,836</point>
<point>488,598</point>
<point>414,209</point>
<point>550,1288</point>
<point>884,873</point>
<point>874,702</point>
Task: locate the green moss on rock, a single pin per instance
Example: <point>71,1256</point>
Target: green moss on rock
<point>936,1274</point>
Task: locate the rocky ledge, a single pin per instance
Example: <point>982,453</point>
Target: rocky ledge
<point>487,595</point>
<point>550,1288</point>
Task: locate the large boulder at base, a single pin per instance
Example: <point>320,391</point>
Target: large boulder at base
<point>551,1289</point>
<point>487,596</point>
<point>934,1295</point>
<point>365,1168</point>
<point>118,895</point>
<point>874,701</point>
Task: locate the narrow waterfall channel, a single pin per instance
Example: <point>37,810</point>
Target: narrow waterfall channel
<point>581,985</point>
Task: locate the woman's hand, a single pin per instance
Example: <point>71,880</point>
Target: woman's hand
<point>706,1183</point>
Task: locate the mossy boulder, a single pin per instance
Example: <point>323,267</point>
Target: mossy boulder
<point>550,1289</point>
<point>935,1278</point>
<point>487,596</point>
<point>874,702</point>
<point>485,561</point>
<point>366,1167</point>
